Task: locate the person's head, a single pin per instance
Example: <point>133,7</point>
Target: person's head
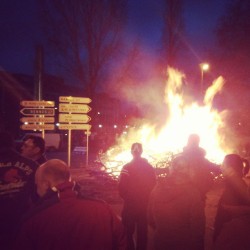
<point>6,140</point>
<point>33,147</point>
<point>136,149</point>
<point>50,174</point>
<point>233,164</point>
<point>193,140</point>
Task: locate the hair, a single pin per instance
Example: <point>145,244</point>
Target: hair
<point>38,141</point>
<point>56,170</point>
<point>6,140</point>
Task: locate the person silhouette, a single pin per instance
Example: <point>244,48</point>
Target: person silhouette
<point>136,181</point>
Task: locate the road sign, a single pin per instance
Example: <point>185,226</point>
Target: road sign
<point>38,111</point>
<point>75,126</point>
<point>76,118</point>
<point>37,103</point>
<point>74,99</point>
<point>38,127</point>
<point>74,108</point>
<point>38,119</point>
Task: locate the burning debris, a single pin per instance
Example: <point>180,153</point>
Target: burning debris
<point>160,145</point>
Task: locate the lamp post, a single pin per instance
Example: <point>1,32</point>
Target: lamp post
<point>203,67</point>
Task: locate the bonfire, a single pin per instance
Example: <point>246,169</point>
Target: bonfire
<point>160,145</point>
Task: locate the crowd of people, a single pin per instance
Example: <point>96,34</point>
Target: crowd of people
<point>41,206</point>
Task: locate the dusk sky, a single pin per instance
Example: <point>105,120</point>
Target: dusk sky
<point>20,31</point>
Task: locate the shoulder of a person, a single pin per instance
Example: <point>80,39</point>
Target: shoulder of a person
<point>41,205</point>
<point>126,166</point>
<point>17,157</point>
<point>145,162</point>
<point>30,162</point>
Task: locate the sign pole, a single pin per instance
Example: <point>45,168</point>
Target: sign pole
<point>69,147</point>
<point>87,151</point>
<point>75,118</point>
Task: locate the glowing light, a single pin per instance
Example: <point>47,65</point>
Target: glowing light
<point>205,66</point>
<point>100,125</point>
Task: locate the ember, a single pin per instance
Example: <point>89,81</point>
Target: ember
<point>184,119</point>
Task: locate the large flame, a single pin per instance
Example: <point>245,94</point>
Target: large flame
<point>183,120</point>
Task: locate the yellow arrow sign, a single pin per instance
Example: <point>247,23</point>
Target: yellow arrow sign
<point>75,126</point>
<point>37,127</point>
<point>76,118</point>
<point>38,119</point>
<point>37,103</point>
<point>74,108</point>
<point>74,99</point>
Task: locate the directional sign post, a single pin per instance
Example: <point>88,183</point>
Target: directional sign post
<point>37,103</point>
<point>38,119</point>
<point>37,114</point>
<point>74,108</point>
<point>74,118</point>
<point>38,111</point>
<point>75,99</point>
<point>74,126</point>
<point>38,126</point>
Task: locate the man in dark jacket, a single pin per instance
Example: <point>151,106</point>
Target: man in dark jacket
<point>201,169</point>
<point>137,179</point>
<point>17,187</point>
<point>62,220</point>
<point>176,211</point>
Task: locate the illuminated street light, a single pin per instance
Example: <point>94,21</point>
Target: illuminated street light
<point>203,67</point>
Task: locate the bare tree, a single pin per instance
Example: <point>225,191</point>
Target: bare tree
<point>86,36</point>
<point>233,35</point>
<point>172,30</point>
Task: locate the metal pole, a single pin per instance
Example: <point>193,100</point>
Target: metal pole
<point>202,75</point>
<point>87,151</point>
<point>69,147</point>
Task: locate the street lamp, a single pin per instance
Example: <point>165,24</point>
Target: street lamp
<point>203,67</point>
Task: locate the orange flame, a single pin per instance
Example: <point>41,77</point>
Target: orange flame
<point>184,119</point>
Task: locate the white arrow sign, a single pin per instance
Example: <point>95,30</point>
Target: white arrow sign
<point>74,108</point>
<point>76,118</point>
<point>38,111</point>
<point>74,99</point>
<point>75,126</point>
<point>37,127</point>
<point>37,103</point>
<point>38,119</point>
